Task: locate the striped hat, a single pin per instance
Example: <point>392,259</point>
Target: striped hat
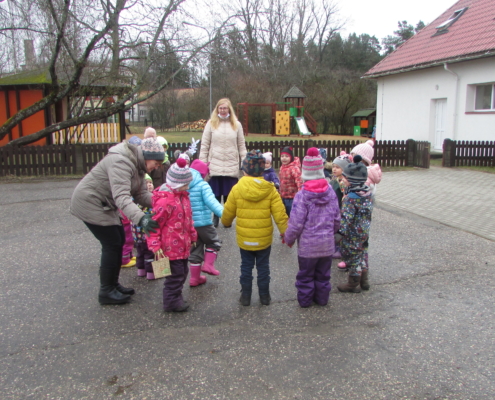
<point>152,150</point>
<point>312,165</point>
<point>178,174</point>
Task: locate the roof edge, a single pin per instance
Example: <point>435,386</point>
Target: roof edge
<point>436,63</point>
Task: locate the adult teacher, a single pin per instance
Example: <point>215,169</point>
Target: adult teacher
<point>111,185</point>
<point>223,147</point>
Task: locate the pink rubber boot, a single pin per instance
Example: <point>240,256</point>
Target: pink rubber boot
<point>196,278</point>
<point>209,263</point>
<point>342,265</point>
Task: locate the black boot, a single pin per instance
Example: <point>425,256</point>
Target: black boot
<point>119,287</point>
<point>108,287</point>
<point>265,299</point>
<point>245,295</point>
<point>365,284</point>
<point>351,286</point>
<point>124,290</point>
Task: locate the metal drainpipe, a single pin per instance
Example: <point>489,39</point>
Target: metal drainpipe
<point>446,67</point>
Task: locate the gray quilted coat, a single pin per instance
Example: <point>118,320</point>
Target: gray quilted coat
<point>111,185</point>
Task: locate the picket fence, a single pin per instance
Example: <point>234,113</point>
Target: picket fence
<point>79,159</point>
<point>468,153</point>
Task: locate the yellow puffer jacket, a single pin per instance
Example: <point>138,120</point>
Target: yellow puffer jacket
<point>253,201</point>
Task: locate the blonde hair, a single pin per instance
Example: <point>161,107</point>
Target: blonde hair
<point>215,121</point>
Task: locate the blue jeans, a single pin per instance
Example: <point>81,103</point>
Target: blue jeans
<point>288,205</point>
<point>262,260</point>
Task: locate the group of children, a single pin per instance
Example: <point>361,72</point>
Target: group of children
<point>308,206</point>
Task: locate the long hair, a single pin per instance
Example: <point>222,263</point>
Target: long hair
<point>215,121</point>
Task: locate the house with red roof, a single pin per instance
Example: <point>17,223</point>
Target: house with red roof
<point>441,83</point>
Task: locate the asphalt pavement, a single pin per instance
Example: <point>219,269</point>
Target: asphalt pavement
<point>425,329</point>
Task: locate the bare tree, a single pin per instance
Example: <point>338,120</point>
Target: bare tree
<point>106,48</point>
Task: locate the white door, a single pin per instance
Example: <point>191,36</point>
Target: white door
<point>440,118</point>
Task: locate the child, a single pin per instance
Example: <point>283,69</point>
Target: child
<point>159,175</point>
<point>314,220</point>
<point>203,203</point>
<point>366,151</point>
<point>127,259</point>
<point>269,174</point>
<point>254,201</point>
<point>338,185</point>
<point>144,256</point>
<point>176,234</point>
<point>290,177</point>
<point>355,226</point>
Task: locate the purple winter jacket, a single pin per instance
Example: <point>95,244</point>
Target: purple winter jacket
<point>270,176</point>
<point>314,219</point>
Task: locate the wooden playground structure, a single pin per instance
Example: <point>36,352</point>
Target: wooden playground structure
<point>292,119</point>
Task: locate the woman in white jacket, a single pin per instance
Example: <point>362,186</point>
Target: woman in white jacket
<point>223,147</point>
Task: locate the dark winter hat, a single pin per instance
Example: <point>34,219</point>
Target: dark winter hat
<point>178,174</point>
<point>152,150</point>
<point>288,150</point>
<point>356,172</point>
<point>254,163</point>
<point>312,165</point>
<point>343,160</point>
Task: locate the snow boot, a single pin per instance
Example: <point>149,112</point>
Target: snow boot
<point>245,295</point>
<point>209,263</point>
<point>352,285</point>
<point>365,285</point>
<point>196,278</point>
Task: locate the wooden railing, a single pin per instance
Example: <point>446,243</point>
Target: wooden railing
<point>468,153</point>
<point>88,133</point>
<point>80,158</point>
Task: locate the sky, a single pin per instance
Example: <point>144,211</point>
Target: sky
<point>380,17</point>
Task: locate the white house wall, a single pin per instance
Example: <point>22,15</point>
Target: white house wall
<point>406,103</point>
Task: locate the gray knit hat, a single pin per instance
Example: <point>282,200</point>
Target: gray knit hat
<point>343,160</point>
<point>152,149</point>
<point>356,173</point>
<point>179,174</point>
<point>312,165</point>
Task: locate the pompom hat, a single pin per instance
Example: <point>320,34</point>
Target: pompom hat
<point>365,150</point>
<point>178,174</point>
<point>312,165</point>
<point>149,132</point>
<point>152,150</point>
<point>343,160</point>
<point>288,150</point>
<point>254,163</point>
<point>356,173</point>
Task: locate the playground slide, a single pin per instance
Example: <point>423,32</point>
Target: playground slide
<point>301,124</point>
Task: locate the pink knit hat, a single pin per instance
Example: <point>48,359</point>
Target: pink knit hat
<point>149,132</point>
<point>201,167</point>
<point>312,165</point>
<point>365,150</point>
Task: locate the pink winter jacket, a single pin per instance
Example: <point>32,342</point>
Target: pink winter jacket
<point>172,211</point>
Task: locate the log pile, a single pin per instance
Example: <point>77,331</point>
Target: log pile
<point>186,126</point>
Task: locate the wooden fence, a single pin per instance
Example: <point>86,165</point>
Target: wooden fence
<point>88,133</point>
<point>468,153</point>
<point>79,159</point>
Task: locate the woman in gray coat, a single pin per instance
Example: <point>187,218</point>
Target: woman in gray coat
<point>111,185</point>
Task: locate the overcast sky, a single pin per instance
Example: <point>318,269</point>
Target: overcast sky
<point>380,17</point>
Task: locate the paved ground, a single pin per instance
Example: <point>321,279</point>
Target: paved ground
<point>425,330</point>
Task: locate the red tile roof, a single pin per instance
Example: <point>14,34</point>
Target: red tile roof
<point>471,36</point>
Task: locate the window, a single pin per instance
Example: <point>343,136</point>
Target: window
<point>142,113</point>
<point>443,27</point>
<point>484,97</point>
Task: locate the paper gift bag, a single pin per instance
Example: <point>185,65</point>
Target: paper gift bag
<point>161,267</point>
